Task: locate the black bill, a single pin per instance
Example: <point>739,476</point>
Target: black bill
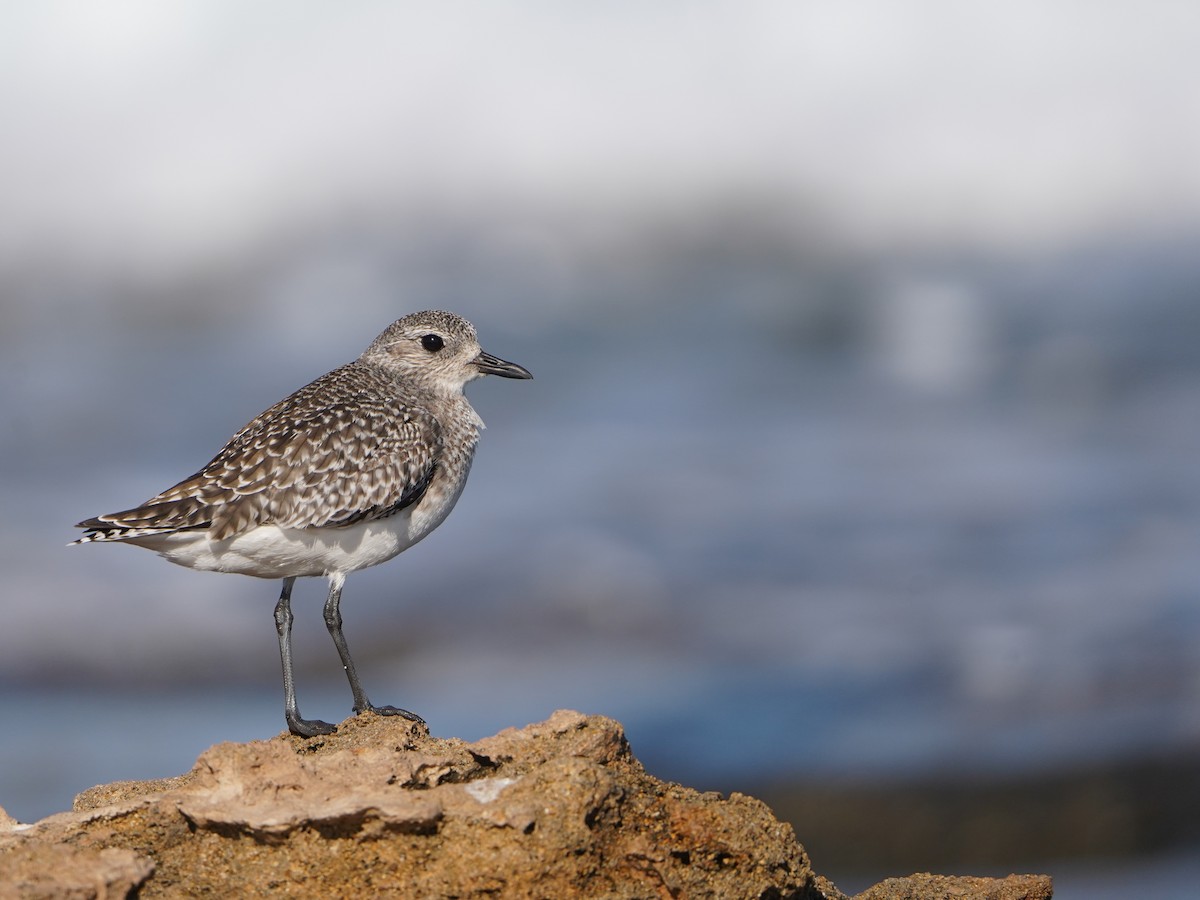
<point>493,365</point>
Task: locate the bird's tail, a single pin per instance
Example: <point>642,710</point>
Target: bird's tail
<point>146,521</point>
<point>109,532</point>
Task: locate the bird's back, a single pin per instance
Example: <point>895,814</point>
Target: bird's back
<point>354,445</point>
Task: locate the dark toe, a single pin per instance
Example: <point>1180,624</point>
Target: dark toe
<point>309,727</point>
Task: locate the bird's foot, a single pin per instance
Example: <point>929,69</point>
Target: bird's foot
<point>390,711</point>
<point>308,727</point>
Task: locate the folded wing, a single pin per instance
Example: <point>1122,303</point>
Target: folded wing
<point>330,455</point>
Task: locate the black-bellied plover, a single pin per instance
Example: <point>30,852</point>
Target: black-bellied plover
<point>345,473</point>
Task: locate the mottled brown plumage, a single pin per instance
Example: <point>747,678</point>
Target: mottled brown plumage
<point>347,447</point>
<point>345,473</point>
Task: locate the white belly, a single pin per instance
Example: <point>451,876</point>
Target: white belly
<point>269,551</point>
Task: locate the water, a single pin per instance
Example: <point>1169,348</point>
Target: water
<point>763,542</point>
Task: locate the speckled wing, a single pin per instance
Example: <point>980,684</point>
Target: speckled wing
<point>343,449</point>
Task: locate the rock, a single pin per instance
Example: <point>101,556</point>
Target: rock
<point>381,809</point>
<point>925,887</point>
<point>53,871</point>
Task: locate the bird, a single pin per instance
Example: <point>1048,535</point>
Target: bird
<point>345,473</point>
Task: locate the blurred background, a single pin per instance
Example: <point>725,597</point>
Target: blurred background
<point>859,467</point>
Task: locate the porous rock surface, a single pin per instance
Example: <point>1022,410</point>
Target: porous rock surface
<point>381,809</point>
<point>944,887</point>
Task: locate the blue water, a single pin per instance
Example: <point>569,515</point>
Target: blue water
<point>769,523</point>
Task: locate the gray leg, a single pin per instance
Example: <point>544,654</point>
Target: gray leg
<point>283,627</point>
<point>333,621</point>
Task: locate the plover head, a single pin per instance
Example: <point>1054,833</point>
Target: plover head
<point>438,350</point>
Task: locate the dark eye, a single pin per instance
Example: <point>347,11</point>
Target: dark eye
<point>432,342</point>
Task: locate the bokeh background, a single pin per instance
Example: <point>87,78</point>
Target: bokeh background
<point>859,467</point>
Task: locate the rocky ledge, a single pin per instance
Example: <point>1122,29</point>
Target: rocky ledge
<point>381,809</point>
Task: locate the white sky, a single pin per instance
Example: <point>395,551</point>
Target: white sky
<point>175,131</point>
